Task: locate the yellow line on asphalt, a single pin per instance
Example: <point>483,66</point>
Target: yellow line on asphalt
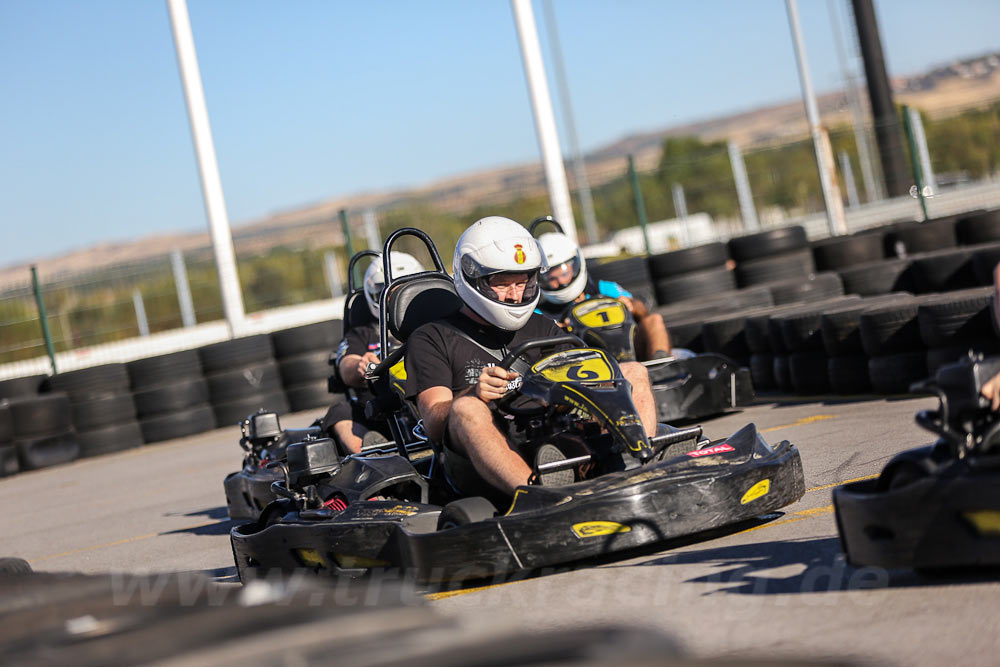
<point>450,594</point>
<point>846,481</point>
<point>792,518</point>
<point>116,543</point>
<point>799,422</point>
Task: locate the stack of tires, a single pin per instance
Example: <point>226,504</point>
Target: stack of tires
<point>101,408</point>
<point>171,396</point>
<point>632,273</point>
<point>13,390</point>
<point>772,256</point>
<point>40,433</point>
<point>303,356</point>
<point>691,273</point>
<point>242,377</point>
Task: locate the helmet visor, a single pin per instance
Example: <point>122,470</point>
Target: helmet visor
<point>504,287</point>
<point>375,290</point>
<point>560,275</point>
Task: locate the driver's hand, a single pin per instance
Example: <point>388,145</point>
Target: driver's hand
<point>991,390</point>
<point>628,303</point>
<point>493,383</point>
<point>367,358</point>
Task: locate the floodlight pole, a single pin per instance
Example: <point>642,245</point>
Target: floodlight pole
<point>211,184</point>
<point>545,121</point>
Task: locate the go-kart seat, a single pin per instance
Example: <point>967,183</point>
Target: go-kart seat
<point>417,300</point>
<point>356,312</point>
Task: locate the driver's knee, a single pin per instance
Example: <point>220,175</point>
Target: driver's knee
<point>654,323</point>
<point>636,374</point>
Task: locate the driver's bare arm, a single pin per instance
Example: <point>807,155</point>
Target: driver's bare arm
<point>493,381</point>
<point>352,368</point>
<point>991,390</point>
<point>434,404</point>
<point>635,306</point>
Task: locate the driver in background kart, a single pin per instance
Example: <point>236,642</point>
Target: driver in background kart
<point>453,379</point>
<point>991,389</point>
<point>564,282</point>
<point>361,346</point>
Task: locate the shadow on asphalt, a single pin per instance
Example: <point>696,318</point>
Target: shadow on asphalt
<point>220,528</point>
<point>211,513</point>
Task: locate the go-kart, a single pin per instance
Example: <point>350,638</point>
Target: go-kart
<point>683,388</point>
<point>938,506</point>
<point>400,510</point>
<point>264,442</point>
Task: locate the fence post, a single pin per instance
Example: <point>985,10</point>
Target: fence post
<point>852,189</point>
<point>743,192</point>
<point>347,233</point>
<point>930,184</point>
<point>371,230</point>
<point>46,334</point>
<point>332,270</point>
<point>140,312</point>
<point>183,288</point>
<point>640,205</point>
<point>914,162</point>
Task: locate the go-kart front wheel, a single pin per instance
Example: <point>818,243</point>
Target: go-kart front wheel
<point>464,511</point>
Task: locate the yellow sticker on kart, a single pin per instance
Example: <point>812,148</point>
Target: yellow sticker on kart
<point>398,370</point>
<point>758,490</point>
<point>578,368</point>
<point>598,528</point>
<point>598,313</point>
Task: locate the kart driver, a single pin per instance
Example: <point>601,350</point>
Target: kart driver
<point>452,374</point>
<point>360,347</point>
<point>564,282</point>
<point>991,389</point>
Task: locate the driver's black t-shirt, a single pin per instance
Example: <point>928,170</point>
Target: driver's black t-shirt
<point>438,356</point>
<point>359,340</point>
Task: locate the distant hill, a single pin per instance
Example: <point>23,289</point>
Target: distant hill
<point>938,92</point>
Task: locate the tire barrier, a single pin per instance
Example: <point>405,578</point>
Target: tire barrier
<point>22,386</point>
<point>841,252</point>
<point>242,378</point>
<point>978,227</point>
<point>41,433</point>
<point>171,396</point>
<point>908,238</point>
<point>303,358</point>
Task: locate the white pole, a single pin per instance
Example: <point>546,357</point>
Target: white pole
<point>579,168</point>
<point>545,122</point>
<point>852,190</point>
<point>183,288</point>
<point>211,184</point>
<point>371,230</point>
<point>824,154</point>
<point>743,192</point>
<point>924,155</point>
<point>140,312</point>
<point>332,270</point>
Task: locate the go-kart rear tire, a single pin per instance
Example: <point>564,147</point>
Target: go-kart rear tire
<point>464,511</point>
<point>14,566</point>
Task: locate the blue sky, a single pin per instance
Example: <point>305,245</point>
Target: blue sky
<point>313,99</point>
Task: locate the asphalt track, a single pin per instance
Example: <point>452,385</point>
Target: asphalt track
<point>777,588</point>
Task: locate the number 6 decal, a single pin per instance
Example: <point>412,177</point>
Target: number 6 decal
<point>576,372</point>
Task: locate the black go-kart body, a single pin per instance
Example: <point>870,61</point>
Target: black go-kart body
<point>683,389</point>
<point>400,510</point>
<point>934,507</point>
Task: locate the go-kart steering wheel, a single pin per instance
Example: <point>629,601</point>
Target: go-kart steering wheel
<point>505,403</point>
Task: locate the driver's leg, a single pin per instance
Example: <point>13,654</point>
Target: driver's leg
<point>471,429</point>
<point>652,336</point>
<point>642,394</point>
<point>351,434</point>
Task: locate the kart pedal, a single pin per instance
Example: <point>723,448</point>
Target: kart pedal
<point>553,468</point>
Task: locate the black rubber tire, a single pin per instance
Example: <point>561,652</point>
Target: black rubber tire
<point>984,260</point>
<point>464,511</point>
<point>644,292</point>
<point>939,356</point>
<point>840,323</point>
<point>305,368</point>
<point>894,373</point>
<point>173,397</point>
<point>6,424</point>
<point>111,409</point>
<point>782,372</point>
<point>165,368</point>
<point>956,317</point>
<point>802,330</point>
<point>724,335</point>
<point>629,269</point>
<point>848,374</point>
<point>697,258</point>
<point>762,371</point>
<point>798,264</point>
<point>12,566</point>
<point>309,396</point>
<point>694,285</point>
<point>108,439</point>
<point>260,378</point>
<point>37,416</point>
<point>231,413</point>
<point>916,237</point>
<point>889,275</point>
<point>943,271</point>
<point>89,383</point>
<point>808,373</point>
<point>178,424</point>
<point>843,251</point>
<point>23,386</point>
<point>50,450</point>
<point>308,338</point>
<point>891,328</point>
<point>686,334</point>
<point>817,287</point>
<point>722,303</point>
<point>9,464</point>
<point>771,242</point>
<point>237,353</point>
<point>978,227</point>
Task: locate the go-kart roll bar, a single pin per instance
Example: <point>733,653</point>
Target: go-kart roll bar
<point>537,222</point>
<point>358,256</point>
<point>513,354</point>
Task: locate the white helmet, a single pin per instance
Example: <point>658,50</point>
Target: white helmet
<point>560,252</point>
<point>403,264</point>
<point>496,245</point>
